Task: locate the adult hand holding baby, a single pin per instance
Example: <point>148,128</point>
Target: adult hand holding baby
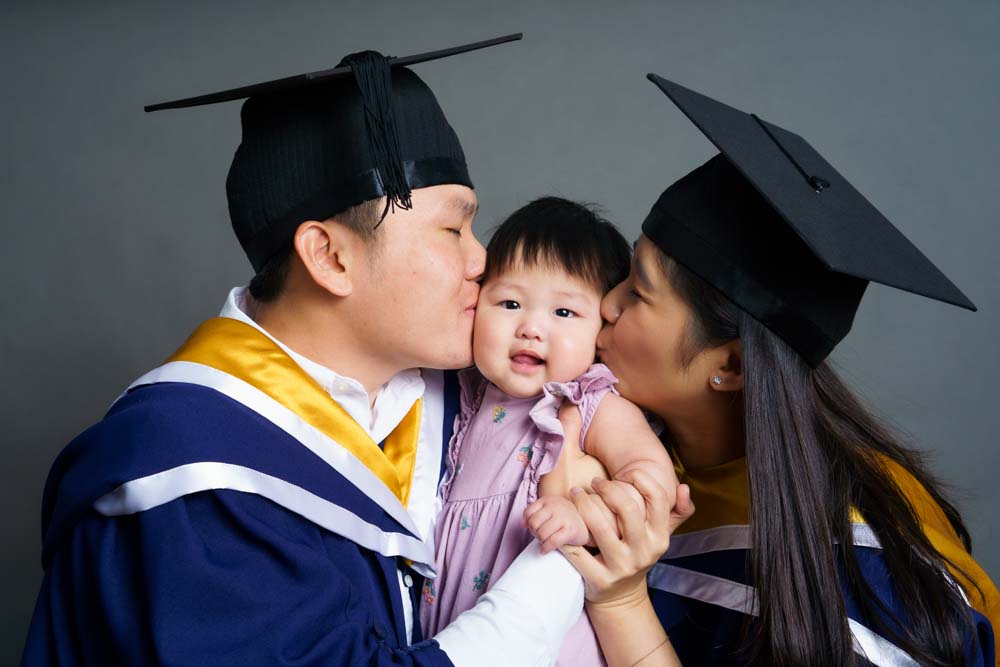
<point>630,538</point>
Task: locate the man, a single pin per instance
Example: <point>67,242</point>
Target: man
<point>268,495</point>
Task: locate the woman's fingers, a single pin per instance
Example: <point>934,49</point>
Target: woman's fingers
<point>621,499</point>
<point>590,567</point>
<point>659,501</point>
<point>683,507</point>
<point>600,522</point>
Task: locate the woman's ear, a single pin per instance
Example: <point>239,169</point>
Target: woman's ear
<point>329,252</point>
<point>727,373</point>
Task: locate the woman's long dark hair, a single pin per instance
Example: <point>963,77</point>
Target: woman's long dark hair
<point>814,452</point>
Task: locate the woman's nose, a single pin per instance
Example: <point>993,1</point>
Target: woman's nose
<point>610,310</point>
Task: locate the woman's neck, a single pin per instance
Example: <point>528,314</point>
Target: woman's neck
<point>709,437</point>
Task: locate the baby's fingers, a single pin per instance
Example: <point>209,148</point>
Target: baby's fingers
<point>532,509</point>
<point>538,519</point>
<point>557,540</point>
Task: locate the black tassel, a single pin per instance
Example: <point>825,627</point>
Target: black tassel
<point>374,78</point>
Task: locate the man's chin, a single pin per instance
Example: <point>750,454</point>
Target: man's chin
<point>461,359</point>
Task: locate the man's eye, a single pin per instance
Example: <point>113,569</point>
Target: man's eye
<point>510,305</point>
<point>564,312</point>
<point>456,231</point>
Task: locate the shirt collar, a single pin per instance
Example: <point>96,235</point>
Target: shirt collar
<point>393,400</point>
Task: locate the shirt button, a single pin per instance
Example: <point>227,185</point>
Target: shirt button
<point>407,581</point>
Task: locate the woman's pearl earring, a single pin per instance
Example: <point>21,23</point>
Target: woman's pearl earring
<point>716,380</point>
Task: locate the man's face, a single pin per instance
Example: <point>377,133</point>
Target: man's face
<point>419,302</point>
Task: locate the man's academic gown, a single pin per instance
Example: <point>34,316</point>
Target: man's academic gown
<point>227,511</point>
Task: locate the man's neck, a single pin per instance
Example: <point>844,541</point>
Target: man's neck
<point>312,330</point>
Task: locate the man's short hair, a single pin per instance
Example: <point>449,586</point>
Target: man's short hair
<point>362,219</point>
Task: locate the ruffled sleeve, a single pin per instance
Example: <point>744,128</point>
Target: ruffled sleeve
<point>472,386</point>
<point>586,391</point>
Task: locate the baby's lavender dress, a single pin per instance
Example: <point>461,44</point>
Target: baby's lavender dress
<point>501,448</point>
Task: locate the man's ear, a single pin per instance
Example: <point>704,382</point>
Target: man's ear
<point>727,367</point>
<point>330,253</point>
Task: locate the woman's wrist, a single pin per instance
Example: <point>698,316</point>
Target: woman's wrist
<point>625,600</point>
<point>629,631</point>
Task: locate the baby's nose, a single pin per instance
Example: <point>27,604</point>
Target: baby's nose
<point>529,329</point>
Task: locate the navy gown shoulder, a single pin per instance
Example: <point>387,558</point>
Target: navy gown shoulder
<point>217,576</point>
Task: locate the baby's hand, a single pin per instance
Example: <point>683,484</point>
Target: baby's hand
<point>554,522</point>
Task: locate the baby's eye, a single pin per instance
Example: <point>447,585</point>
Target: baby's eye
<point>510,304</point>
<point>564,312</point>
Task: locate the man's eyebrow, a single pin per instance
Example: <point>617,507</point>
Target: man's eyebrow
<point>467,206</point>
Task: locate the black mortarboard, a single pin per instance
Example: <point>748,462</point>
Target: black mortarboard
<point>775,228</point>
<point>316,144</point>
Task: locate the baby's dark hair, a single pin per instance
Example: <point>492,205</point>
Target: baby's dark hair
<point>560,233</point>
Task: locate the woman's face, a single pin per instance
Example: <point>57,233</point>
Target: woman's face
<point>643,336</point>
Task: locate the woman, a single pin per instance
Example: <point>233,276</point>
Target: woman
<point>819,538</point>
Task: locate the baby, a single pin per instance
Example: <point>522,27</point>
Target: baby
<point>547,268</point>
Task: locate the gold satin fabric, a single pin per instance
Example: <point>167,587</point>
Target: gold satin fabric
<point>244,352</point>
<point>721,495</point>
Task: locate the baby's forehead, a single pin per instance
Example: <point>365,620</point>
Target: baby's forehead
<point>543,278</point>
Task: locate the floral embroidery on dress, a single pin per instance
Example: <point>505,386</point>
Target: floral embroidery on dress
<point>524,454</point>
<point>499,412</point>
<point>465,524</point>
<point>429,594</point>
<point>479,582</point>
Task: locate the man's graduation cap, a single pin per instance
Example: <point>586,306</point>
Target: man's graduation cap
<point>776,229</point>
<point>317,144</point>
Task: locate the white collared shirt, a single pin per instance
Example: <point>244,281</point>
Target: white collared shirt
<point>393,400</point>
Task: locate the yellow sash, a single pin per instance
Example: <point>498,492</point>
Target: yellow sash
<point>721,495</point>
<point>242,351</point>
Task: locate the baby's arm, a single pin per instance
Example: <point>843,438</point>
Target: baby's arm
<point>619,440</point>
<point>553,518</point>
<point>620,437</point>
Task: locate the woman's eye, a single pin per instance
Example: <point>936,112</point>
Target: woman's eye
<point>564,312</point>
<point>510,305</point>
<point>635,295</point>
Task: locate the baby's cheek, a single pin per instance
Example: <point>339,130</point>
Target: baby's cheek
<point>482,339</point>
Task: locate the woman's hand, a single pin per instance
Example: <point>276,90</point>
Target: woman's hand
<point>617,575</point>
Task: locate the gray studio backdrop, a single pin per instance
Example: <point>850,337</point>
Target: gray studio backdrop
<point>116,240</point>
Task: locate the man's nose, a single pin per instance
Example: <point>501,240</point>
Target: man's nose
<point>475,258</point>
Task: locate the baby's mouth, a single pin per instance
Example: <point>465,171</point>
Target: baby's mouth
<point>527,360</point>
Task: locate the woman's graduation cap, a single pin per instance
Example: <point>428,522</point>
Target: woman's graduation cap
<point>774,227</point>
<point>317,144</point>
